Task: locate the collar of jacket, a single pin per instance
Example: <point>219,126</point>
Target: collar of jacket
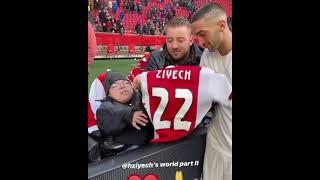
<point>193,58</point>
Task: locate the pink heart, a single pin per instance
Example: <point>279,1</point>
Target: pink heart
<point>146,177</point>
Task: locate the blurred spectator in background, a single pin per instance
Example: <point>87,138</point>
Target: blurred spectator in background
<point>127,5</point>
<point>162,13</point>
<point>149,16</point>
<point>114,28</point>
<point>118,2</point>
<point>114,7</point>
<point>173,11</point>
<point>108,17</point>
<point>104,27</point>
<point>91,19</point>
<point>157,32</point>
<point>110,4</point>
<point>153,11</point>
<point>148,23</point>
<point>109,26</point>
<point>175,3</point>
<point>152,30</point>
<point>137,27</point>
<point>121,15</point>
<point>120,28</point>
<point>121,31</point>
<point>96,19</point>
<point>136,8</point>
<point>98,27</point>
<point>168,7</point>
<point>140,32</point>
<point>155,20</point>
<point>140,8</point>
<point>144,29</point>
<point>162,25</point>
<point>118,23</point>
<point>169,16</point>
<point>131,5</point>
<point>145,2</point>
<point>96,4</point>
<point>102,16</point>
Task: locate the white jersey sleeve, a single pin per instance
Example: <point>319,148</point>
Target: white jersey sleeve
<point>96,94</point>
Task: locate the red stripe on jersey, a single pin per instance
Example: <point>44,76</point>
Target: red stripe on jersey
<point>134,73</point>
<point>91,116</point>
<point>91,119</point>
<point>102,78</point>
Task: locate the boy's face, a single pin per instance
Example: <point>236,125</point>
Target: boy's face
<point>121,91</point>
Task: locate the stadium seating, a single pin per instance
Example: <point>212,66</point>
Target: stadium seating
<point>131,18</point>
<point>134,41</point>
<point>227,4</point>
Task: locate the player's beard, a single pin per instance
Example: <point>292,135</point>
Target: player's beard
<point>214,44</point>
<point>177,55</point>
<point>181,59</point>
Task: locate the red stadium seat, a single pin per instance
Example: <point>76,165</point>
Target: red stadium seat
<point>131,19</point>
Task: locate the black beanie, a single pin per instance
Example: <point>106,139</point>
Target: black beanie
<point>111,78</point>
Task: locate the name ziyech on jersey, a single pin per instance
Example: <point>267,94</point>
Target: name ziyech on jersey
<point>174,74</point>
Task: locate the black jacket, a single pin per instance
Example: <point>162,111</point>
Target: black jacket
<point>114,119</point>
<point>161,59</point>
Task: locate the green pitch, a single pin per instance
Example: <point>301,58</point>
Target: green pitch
<point>99,66</point>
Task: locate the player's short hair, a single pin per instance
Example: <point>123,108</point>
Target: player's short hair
<point>177,22</point>
<point>210,10</point>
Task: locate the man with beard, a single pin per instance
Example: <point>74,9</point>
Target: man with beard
<point>179,49</point>
<point>210,24</point>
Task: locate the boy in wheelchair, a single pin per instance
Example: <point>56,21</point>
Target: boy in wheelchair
<point>122,123</point>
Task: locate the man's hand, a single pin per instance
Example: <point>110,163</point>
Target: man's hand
<point>137,83</point>
<point>139,118</point>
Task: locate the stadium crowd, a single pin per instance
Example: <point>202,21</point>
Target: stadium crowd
<point>106,20</point>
